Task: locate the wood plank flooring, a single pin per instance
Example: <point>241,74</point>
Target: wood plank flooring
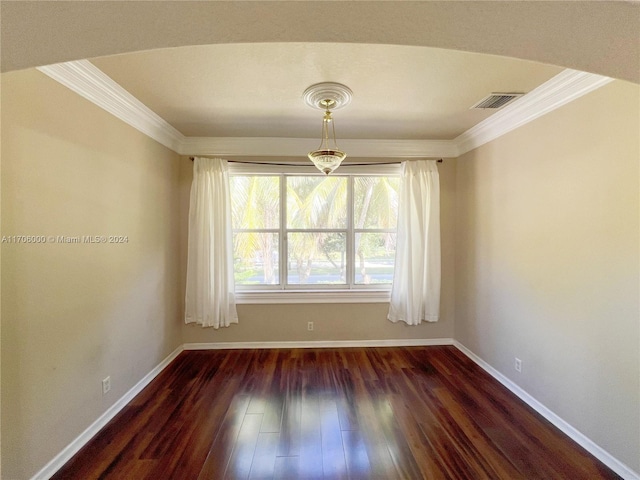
<point>352,413</point>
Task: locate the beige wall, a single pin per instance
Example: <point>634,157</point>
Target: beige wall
<point>260,323</point>
<point>73,314</point>
<point>547,257</point>
<point>540,228</point>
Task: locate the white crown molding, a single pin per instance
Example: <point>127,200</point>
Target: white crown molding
<point>298,147</point>
<point>81,440</point>
<point>90,82</point>
<point>369,167</point>
<point>601,454</point>
<point>565,87</point>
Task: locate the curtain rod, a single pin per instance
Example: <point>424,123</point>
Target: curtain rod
<point>306,165</point>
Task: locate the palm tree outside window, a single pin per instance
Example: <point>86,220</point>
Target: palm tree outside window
<point>312,232</point>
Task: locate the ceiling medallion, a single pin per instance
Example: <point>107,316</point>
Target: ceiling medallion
<point>327,96</point>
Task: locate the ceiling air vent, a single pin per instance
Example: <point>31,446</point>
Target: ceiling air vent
<point>496,100</point>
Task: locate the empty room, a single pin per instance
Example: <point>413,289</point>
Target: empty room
<point>320,240</point>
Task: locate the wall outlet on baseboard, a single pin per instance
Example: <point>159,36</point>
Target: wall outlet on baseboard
<point>518,365</point>
<point>310,326</point>
<point>106,385</point>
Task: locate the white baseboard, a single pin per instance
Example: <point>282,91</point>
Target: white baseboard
<point>605,457</point>
<point>70,450</point>
<point>409,342</point>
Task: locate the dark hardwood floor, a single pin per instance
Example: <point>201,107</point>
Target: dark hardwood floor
<point>357,413</point>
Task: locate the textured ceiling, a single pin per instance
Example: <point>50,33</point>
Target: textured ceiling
<point>255,90</point>
<point>597,37</point>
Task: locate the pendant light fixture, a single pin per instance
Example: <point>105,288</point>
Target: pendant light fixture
<point>327,96</point>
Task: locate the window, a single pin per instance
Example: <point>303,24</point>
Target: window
<point>294,230</point>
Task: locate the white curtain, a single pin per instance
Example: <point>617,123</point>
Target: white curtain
<point>209,298</point>
<point>415,294</point>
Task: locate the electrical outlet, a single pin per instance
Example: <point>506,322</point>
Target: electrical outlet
<point>106,385</point>
<point>310,326</point>
<point>518,365</point>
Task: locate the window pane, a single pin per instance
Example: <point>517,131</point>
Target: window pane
<point>375,202</point>
<point>316,202</point>
<point>255,258</point>
<point>255,201</point>
<point>375,257</point>
<point>316,258</point>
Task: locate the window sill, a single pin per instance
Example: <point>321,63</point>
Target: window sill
<point>307,296</point>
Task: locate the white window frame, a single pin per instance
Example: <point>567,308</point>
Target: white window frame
<point>283,293</point>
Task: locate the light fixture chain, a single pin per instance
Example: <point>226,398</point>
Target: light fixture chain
<point>327,157</point>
